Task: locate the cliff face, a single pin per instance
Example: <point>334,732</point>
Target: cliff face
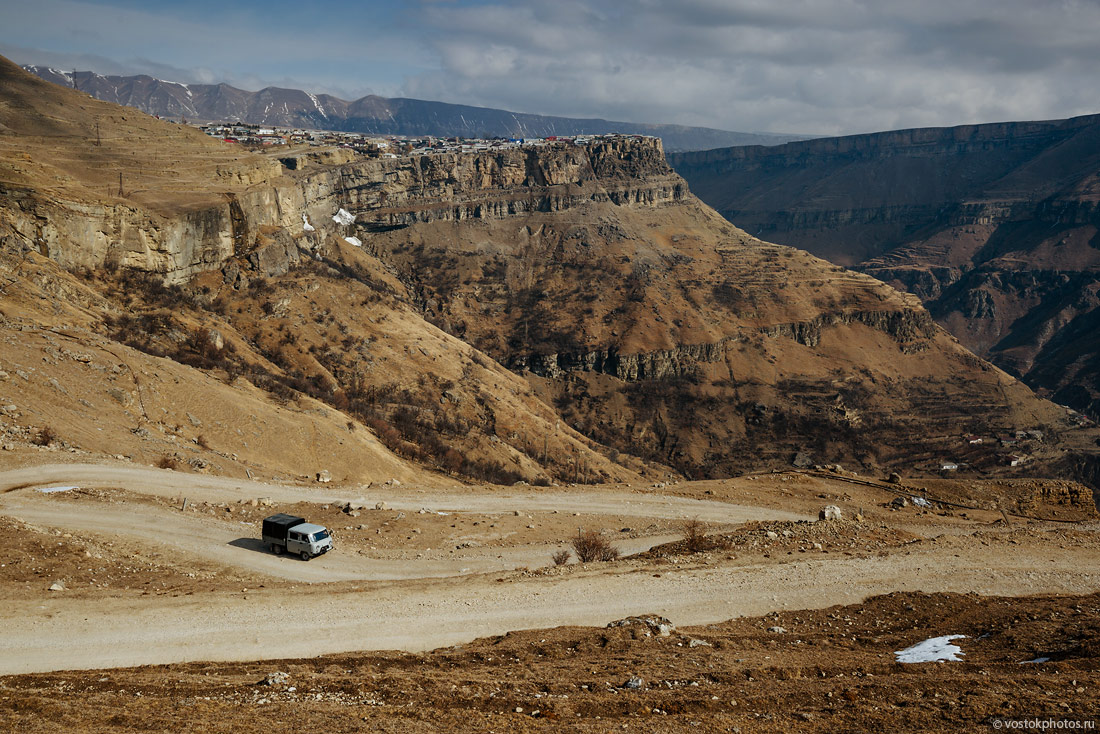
<point>993,226</point>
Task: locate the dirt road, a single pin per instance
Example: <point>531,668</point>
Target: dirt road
<point>355,601</point>
<point>167,483</point>
<point>312,620</point>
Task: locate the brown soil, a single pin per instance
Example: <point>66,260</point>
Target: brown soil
<point>831,670</point>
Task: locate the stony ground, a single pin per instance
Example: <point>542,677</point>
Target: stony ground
<point>781,623</point>
<point>821,670</point>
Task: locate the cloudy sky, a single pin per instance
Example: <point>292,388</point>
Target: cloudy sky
<point>799,66</point>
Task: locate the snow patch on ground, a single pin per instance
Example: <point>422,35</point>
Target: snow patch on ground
<point>353,241</point>
<point>344,217</point>
<point>1036,660</point>
<point>931,651</point>
<point>305,224</point>
<point>55,489</point>
<point>920,502</point>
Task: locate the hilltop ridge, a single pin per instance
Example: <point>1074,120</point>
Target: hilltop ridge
<point>371,114</point>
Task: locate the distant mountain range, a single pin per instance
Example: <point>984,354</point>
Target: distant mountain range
<point>372,114</point>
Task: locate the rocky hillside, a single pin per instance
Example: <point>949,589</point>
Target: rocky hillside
<point>371,114</point>
<point>555,313</point>
<point>993,226</point>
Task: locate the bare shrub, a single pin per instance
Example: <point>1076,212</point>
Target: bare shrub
<point>45,436</point>
<point>168,462</point>
<point>201,441</point>
<point>694,535</point>
<point>589,545</point>
<point>561,557</point>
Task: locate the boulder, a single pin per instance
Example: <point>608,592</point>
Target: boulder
<point>324,477</point>
<point>899,502</point>
<point>830,512</point>
<point>657,625</point>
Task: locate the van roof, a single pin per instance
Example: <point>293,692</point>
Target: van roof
<point>308,528</point>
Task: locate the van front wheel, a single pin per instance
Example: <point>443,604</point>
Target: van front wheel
<point>306,555</point>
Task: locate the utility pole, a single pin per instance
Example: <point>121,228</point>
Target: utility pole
<point>98,141</point>
<point>120,184</point>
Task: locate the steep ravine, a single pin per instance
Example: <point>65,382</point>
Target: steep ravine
<point>995,227</point>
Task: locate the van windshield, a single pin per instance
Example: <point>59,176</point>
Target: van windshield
<point>319,535</point>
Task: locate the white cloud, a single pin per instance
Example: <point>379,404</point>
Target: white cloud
<point>827,66</point>
<point>804,66</point>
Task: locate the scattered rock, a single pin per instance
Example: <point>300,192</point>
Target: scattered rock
<point>895,478</point>
<point>323,476</point>
<point>276,679</point>
<point>57,586</point>
<point>9,447</point>
<point>899,502</point>
<point>772,535</point>
<point>777,630</point>
<point>381,506</point>
<point>658,625</point>
<point>122,397</point>
<point>194,421</point>
<point>215,338</point>
<point>830,512</point>
<point>698,643</point>
<point>634,682</point>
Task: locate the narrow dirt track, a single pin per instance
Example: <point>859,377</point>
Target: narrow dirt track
<point>205,541</point>
<point>62,634</point>
<point>166,483</point>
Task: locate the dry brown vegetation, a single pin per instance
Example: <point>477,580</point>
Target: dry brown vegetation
<point>591,545</point>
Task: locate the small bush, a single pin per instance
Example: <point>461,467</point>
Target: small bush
<point>45,436</point>
<point>168,462</point>
<point>201,441</point>
<point>591,546</point>
<point>694,535</point>
<point>561,557</point>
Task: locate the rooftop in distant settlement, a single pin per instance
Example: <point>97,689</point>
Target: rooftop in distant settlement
<point>384,146</point>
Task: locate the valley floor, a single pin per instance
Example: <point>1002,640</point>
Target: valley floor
<point>143,578</point>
